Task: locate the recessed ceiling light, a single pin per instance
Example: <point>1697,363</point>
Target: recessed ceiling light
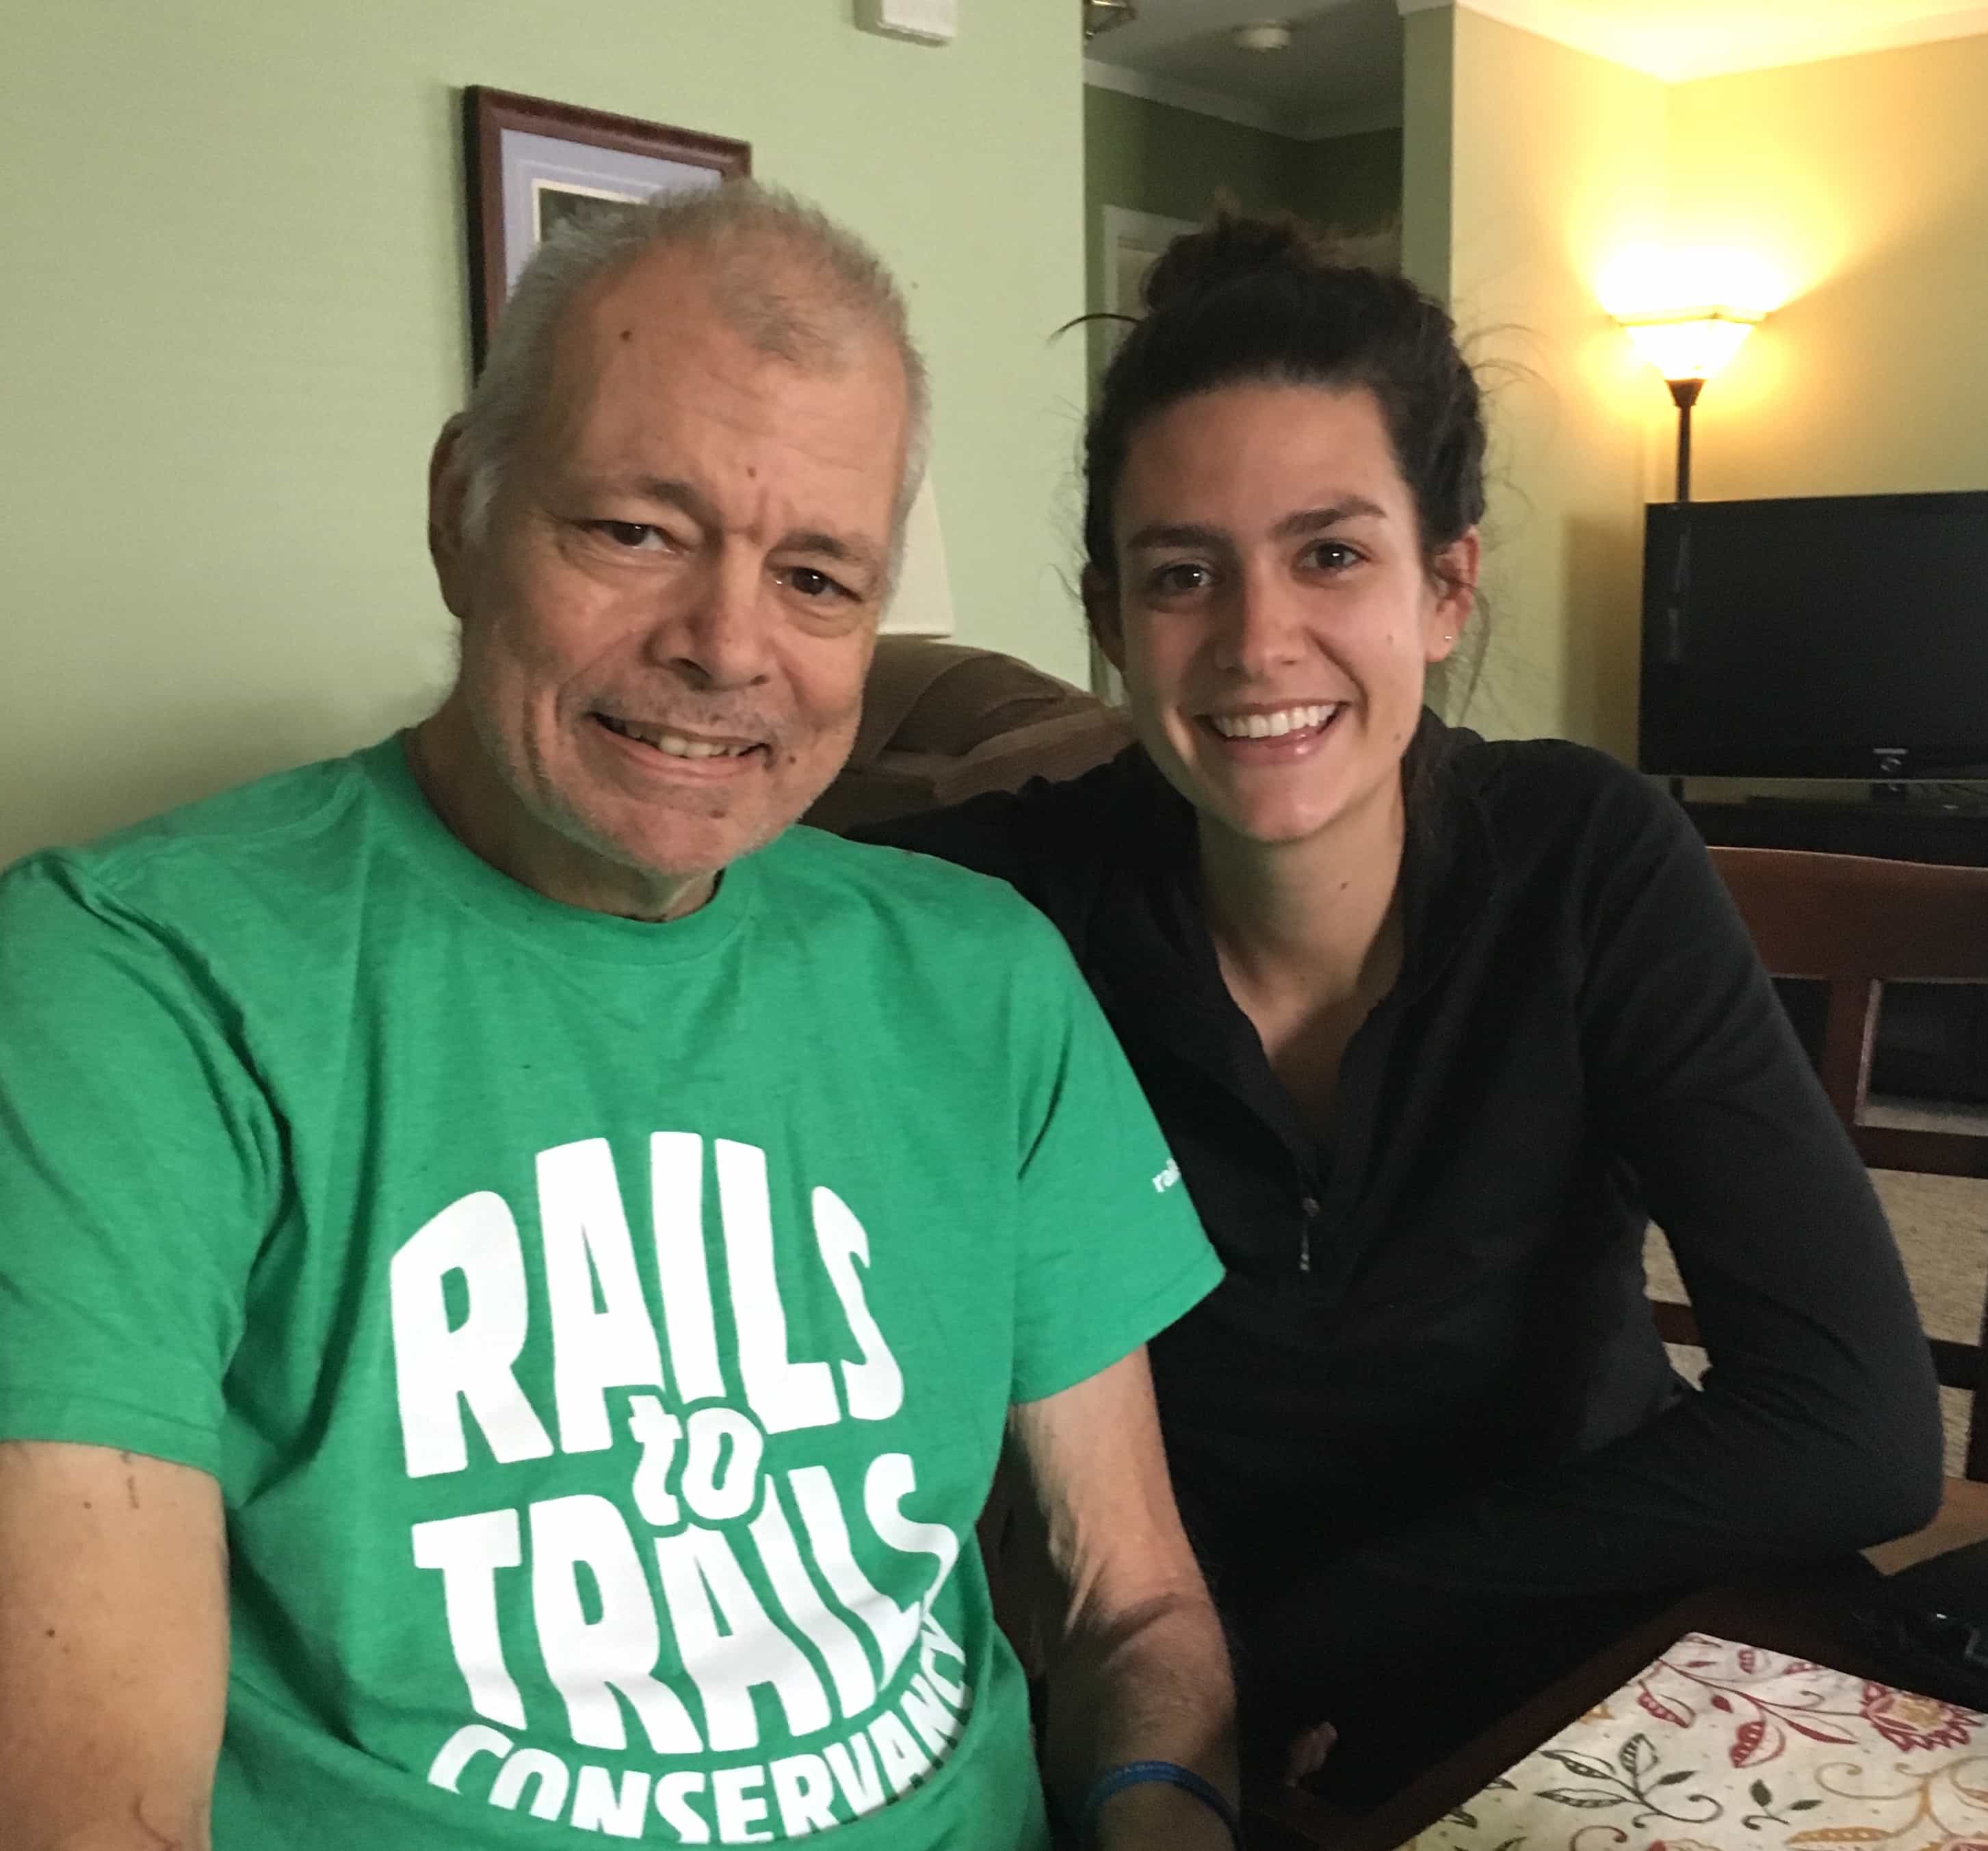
<point>1265,35</point>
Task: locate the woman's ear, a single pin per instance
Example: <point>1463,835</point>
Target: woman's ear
<point>1101,607</point>
<point>1454,573</point>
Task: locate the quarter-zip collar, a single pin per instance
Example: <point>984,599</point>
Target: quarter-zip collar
<point>1149,954</point>
<point>1150,862</point>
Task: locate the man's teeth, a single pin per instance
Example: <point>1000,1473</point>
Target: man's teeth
<point>1271,726</point>
<point>675,744</point>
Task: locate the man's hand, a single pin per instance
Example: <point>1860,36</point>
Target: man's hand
<point>113,1649</point>
<point>1138,1671</point>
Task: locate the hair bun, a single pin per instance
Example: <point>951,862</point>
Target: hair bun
<point>1232,245</point>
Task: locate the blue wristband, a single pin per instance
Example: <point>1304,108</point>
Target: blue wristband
<point>1137,1773</point>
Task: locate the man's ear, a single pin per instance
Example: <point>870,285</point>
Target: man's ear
<point>448,544</point>
<point>1101,607</point>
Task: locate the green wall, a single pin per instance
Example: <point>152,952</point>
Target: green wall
<point>1352,183</point>
<point>1147,156</point>
<point>1151,158</point>
<point>1429,105</point>
<point>235,320</point>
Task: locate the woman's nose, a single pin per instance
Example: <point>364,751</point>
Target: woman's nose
<point>1265,626</point>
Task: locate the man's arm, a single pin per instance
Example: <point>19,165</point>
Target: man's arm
<point>1138,1668</point>
<point>114,1649</point>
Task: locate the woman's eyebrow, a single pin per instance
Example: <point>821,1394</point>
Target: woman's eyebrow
<point>1313,520</point>
<point>1306,520</point>
<point>1176,533</point>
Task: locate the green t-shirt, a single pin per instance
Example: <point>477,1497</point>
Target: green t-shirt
<point>601,1332</point>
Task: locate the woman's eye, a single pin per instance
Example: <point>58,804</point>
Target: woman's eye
<point>1183,576</point>
<point>1334,555</point>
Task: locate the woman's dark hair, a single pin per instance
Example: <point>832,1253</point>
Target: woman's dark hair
<point>1249,300</point>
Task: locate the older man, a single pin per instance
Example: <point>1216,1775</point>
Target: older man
<point>544,1255</point>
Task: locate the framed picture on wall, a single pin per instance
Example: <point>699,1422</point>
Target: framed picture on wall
<point>532,164</point>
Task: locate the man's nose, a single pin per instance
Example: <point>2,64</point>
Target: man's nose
<point>717,631</point>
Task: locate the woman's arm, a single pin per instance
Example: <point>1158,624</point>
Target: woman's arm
<point>1048,841</point>
<point>1817,1430</point>
<point>1819,1415</point>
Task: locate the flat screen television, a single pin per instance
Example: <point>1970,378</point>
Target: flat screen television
<point>1829,636</point>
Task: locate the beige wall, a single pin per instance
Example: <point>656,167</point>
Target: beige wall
<point>1555,163</point>
<point>1858,188</point>
<point>234,319</point>
<point>1546,191</point>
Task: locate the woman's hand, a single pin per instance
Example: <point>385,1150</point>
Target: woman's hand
<point>1308,1752</point>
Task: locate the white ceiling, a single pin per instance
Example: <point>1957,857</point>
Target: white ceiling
<point>1343,72</point>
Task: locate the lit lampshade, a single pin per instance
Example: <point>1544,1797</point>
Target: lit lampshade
<point>1691,346</point>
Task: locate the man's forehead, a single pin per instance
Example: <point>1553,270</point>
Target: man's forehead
<point>759,294</point>
<point>691,314</point>
<point>671,288</point>
<point>656,400</point>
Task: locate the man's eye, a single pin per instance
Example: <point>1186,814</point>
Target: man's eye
<point>629,533</point>
<point>811,584</point>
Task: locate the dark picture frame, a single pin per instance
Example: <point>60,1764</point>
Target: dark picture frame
<point>529,163</point>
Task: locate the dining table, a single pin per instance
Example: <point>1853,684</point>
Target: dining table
<point>1741,1717</point>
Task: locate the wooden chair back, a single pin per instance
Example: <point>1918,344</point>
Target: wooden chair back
<point>1855,922</point>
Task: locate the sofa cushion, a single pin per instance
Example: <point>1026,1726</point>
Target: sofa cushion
<point>943,722</point>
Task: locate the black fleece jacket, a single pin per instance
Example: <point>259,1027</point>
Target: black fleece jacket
<point>1430,1367</point>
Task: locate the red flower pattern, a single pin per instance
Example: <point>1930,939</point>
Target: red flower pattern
<point>1798,1757</point>
<point>1907,1720</point>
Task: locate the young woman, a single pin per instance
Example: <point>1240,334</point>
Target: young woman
<point>1435,1025</point>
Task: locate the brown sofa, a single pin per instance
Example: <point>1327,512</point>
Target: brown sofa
<point>943,722</point>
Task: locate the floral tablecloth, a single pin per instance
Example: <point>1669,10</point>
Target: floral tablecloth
<point>1717,1745</point>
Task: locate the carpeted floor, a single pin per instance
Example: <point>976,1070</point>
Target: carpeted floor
<point>1941,1226</point>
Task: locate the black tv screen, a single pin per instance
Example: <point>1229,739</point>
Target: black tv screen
<point>1831,637</point>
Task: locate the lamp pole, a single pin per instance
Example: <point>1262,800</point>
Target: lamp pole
<point>1684,395</point>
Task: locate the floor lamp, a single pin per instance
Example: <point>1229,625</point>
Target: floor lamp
<point>1687,350</point>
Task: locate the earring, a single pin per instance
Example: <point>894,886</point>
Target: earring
<point>1448,635</point>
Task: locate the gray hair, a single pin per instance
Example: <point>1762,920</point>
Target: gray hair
<point>789,279</point>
